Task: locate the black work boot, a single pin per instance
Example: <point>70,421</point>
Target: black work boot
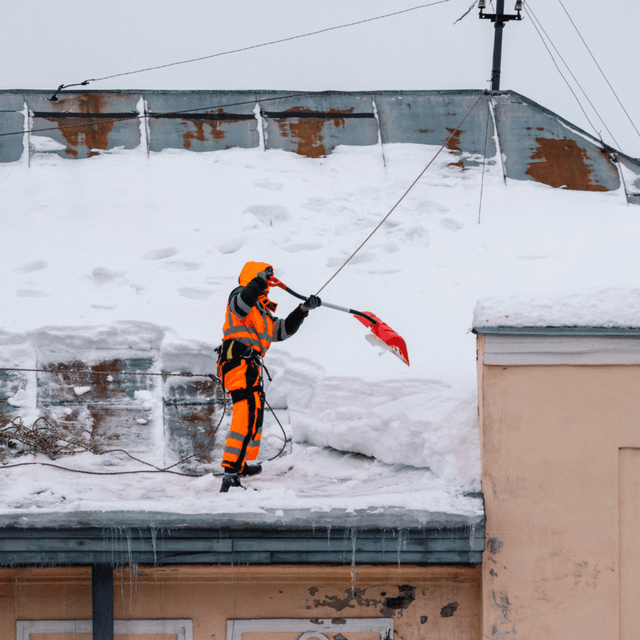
<point>229,480</point>
<point>251,470</point>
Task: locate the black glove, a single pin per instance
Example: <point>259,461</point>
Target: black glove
<point>312,302</point>
<point>266,274</point>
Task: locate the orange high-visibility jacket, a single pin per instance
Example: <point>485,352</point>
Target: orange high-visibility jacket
<point>247,318</point>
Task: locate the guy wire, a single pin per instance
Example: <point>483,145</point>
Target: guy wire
<point>456,131</point>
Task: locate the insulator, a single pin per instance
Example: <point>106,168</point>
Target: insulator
<point>482,4</point>
<point>518,5</point>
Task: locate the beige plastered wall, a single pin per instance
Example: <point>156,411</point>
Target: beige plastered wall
<point>436,602</point>
<point>561,481</point>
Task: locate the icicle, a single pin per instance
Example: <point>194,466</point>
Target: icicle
<point>154,533</point>
<point>353,562</point>
<point>402,543</point>
<point>127,533</point>
<point>345,538</point>
<point>472,534</point>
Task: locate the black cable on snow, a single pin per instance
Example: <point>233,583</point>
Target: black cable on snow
<point>154,468</point>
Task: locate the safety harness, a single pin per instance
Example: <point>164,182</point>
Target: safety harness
<point>228,352</point>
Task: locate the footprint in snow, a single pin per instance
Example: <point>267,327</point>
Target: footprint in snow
<point>31,293</point>
<point>102,275</point>
<point>295,248</point>
<point>194,294</point>
<point>160,254</point>
<point>177,265</point>
<point>37,265</point>
<point>103,306</point>
<point>231,246</point>
<point>269,214</point>
<point>360,258</point>
<point>450,224</point>
<point>270,186</point>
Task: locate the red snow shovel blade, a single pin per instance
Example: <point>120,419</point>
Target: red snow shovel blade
<point>386,337</point>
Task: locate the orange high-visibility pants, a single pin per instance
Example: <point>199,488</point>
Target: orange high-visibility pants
<point>243,441</point>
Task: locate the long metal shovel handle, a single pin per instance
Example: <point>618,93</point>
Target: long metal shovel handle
<point>274,282</point>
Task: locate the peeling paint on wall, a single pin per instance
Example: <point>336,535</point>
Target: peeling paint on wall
<point>449,609</point>
<point>494,545</point>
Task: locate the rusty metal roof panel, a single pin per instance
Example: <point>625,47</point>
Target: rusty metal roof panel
<point>86,123</point>
<point>431,117</point>
<point>86,102</point>
<point>11,146</point>
<point>316,124</point>
<point>538,145</point>
<point>202,121</point>
<point>194,102</point>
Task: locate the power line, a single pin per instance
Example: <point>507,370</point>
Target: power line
<point>599,68</point>
<point>263,44</point>
<point>135,116</point>
<point>576,81</point>
<point>533,22</point>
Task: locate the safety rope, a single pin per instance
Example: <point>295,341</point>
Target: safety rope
<point>455,132</point>
<point>255,46</point>
<point>484,157</point>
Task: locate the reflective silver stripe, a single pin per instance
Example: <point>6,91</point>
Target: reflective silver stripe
<point>240,307</point>
<point>229,449</point>
<point>260,339</point>
<point>236,436</point>
<point>279,330</point>
<point>239,328</point>
<point>229,333</point>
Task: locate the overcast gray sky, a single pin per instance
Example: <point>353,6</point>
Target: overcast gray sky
<point>45,44</point>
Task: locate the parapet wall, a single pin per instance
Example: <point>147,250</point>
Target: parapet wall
<point>530,142</point>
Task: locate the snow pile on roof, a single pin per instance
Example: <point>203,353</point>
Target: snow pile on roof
<point>157,243</point>
<point>611,307</point>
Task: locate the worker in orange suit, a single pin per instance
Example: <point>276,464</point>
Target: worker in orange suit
<point>249,329</point>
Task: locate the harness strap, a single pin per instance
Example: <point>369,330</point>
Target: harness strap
<point>244,394</point>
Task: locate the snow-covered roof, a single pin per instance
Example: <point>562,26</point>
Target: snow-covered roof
<point>130,257</point>
<point>593,309</point>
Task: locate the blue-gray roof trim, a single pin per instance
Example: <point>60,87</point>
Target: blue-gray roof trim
<point>165,539</point>
<point>628,332</point>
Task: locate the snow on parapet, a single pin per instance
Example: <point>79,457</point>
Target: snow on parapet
<point>610,307</point>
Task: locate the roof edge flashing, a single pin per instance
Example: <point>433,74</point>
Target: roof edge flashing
<point>559,331</point>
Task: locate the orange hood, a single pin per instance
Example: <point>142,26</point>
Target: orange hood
<point>250,271</point>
